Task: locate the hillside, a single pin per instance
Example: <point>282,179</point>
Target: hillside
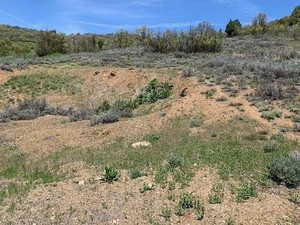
<point>187,128</point>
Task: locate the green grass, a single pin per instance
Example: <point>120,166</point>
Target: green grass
<point>233,155</point>
<point>23,174</point>
<point>38,83</point>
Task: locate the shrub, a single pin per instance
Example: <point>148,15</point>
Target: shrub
<point>111,174</point>
<point>202,38</point>
<point>27,110</point>
<point>189,201</point>
<point>154,91</point>
<point>107,117</point>
<point>286,170</point>
<point>245,191</point>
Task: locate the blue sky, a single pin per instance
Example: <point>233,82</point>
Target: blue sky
<point>104,16</point>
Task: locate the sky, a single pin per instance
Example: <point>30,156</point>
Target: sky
<point>106,16</point>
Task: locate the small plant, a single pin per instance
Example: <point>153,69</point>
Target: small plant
<point>286,170</point>
<point>271,146</point>
<point>230,221</point>
<point>152,138</point>
<point>196,122</point>
<point>111,174</point>
<point>295,197</point>
<point>217,194</point>
<point>154,91</point>
<point>221,99</point>
<point>278,137</point>
<point>175,160</point>
<point>166,213</point>
<point>245,191</point>
<point>136,173</point>
<point>210,93</point>
<point>189,201</point>
<point>147,187</point>
<point>271,115</point>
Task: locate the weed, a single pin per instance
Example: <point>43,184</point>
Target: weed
<point>230,221</point>
<point>166,213</point>
<point>136,173</point>
<point>152,138</point>
<point>147,187</point>
<point>111,174</point>
<point>210,93</point>
<point>294,197</point>
<point>271,146</point>
<point>271,115</point>
<point>196,122</point>
<point>245,191</point>
<point>154,91</point>
<point>216,194</point>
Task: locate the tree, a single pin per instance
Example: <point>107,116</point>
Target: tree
<point>296,12</point>
<point>259,24</point>
<point>50,42</point>
<point>233,28</point>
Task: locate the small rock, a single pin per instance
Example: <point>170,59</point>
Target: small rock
<point>96,73</point>
<point>6,68</point>
<point>81,182</point>
<point>141,144</point>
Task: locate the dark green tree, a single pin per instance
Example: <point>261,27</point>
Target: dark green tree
<point>233,28</point>
<point>50,42</point>
<point>296,12</point>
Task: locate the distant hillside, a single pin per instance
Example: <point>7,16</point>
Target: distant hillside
<point>18,34</point>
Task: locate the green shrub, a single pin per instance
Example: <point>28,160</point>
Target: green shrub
<point>154,91</point>
<point>111,174</point>
<point>286,170</point>
<point>202,38</point>
<point>245,191</point>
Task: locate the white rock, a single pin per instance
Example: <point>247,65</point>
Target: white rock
<point>141,144</point>
<point>81,183</point>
